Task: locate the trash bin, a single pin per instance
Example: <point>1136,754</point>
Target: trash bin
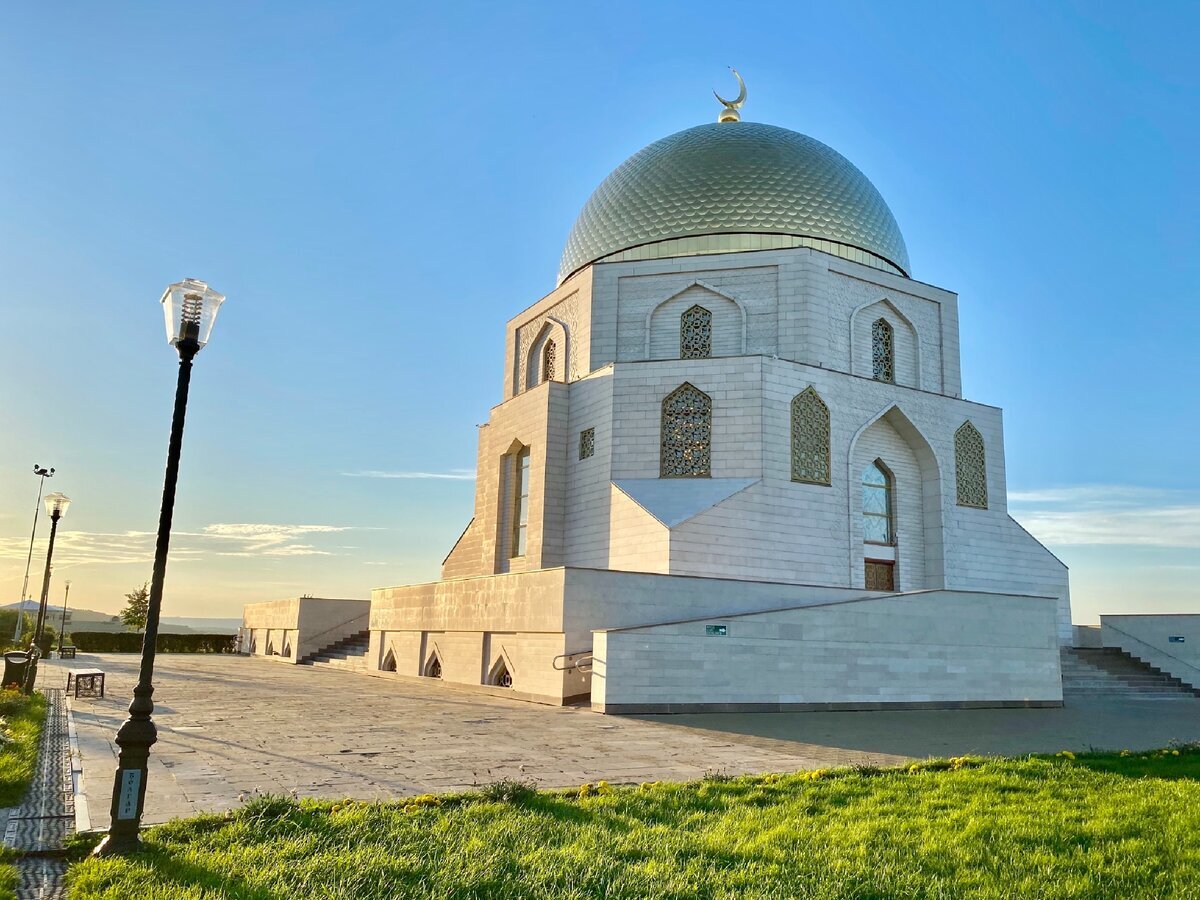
<point>15,664</point>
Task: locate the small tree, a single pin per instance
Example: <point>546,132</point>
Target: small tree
<point>135,611</point>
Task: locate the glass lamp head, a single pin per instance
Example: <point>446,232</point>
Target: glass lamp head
<point>56,504</point>
<point>190,309</point>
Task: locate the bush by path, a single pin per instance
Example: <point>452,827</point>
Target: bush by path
<point>128,642</point>
<point>1086,826</point>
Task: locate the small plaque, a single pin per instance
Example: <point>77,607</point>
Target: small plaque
<point>131,780</point>
<point>718,630</point>
<point>1175,639</point>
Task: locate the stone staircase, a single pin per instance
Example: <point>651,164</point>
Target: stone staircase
<point>348,653</point>
<point>1110,673</point>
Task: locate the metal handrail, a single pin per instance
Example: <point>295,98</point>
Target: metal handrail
<point>585,659</point>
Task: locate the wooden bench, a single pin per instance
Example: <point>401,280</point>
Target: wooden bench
<point>87,682</point>
<point>66,653</point>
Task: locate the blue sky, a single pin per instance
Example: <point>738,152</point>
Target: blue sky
<point>378,187</point>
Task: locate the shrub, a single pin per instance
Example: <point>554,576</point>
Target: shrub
<point>125,642</point>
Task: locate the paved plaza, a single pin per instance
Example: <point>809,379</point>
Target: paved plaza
<point>230,726</point>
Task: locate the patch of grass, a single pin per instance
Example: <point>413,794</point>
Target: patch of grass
<point>21,720</point>
<point>1079,826</point>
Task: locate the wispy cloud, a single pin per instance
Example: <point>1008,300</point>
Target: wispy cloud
<point>1117,515</point>
<point>76,548</point>
<point>452,475</point>
<point>269,540</point>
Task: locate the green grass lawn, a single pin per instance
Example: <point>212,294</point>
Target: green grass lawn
<point>21,721</point>
<point>1091,826</point>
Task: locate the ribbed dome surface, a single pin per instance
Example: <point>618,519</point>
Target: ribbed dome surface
<point>734,178</point>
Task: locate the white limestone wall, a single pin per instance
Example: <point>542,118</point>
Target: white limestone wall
<point>594,599</point>
<point>303,625</point>
<point>565,312</point>
<point>735,387</point>
<point>638,542</point>
<point>588,481</point>
<point>801,304</point>
<point>1148,637</point>
<point>937,648</point>
<point>537,419</point>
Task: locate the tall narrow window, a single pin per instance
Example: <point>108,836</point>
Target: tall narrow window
<point>549,360</point>
<point>695,333</point>
<point>970,467</point>
<point>810,438</point>
<point>520,501</point>
<point>685,446</point>
<point>883,351</point>
<point>877,504</point>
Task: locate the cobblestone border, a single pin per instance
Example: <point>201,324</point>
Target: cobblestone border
<point>38,827</point>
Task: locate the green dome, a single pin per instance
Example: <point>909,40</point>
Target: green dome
<point>733,186</point>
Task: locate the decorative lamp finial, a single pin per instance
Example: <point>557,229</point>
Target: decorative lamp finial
<point>730,112</point>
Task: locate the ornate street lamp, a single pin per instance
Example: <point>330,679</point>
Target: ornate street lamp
<point>56,508</point>
<point>190,308</point>
<point>42,474</point>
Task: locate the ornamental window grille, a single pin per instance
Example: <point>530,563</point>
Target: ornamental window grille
<point>883,350</point>
<point>695,334</point>
<point>810,438</point>
<point>686,440</point>
<point>587,443</point>
<point>549,360</point>
<point>520,502</point>
<point>877,518</point>
<point>433,668</point>
<point>970,467</point>
<point>880,575</point>
<point>500,676</point>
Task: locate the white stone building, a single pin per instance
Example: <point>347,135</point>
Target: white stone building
<point>733,467</point>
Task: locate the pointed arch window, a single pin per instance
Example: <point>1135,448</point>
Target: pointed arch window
<point>500,676</point>
<point>389,662</point>
<point>810,438</point>
<point>686,437</point>
<point>877,516</point>
<point>883,351</point>
<point>695,333</point>
<point>970,467</point>
<point>433,668</point>
<point>549,361</point>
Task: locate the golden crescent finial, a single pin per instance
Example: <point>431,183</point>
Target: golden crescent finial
<point>730,112</point>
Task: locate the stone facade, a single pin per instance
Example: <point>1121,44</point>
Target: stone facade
<point>780,322</point>
<point>292,628</point>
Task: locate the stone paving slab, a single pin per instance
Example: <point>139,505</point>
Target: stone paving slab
<point>232,726</point>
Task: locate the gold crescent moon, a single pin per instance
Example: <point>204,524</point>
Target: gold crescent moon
<point>741,97</point>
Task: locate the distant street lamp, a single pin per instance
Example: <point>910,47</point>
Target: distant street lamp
<point>56,508</point>
<point>190,308</point>
<point>37,510</point>
<point>63,628</point>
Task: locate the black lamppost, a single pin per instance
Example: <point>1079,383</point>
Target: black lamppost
<point>56,508</point>
<point>190,308</point>
<point>43,474</point>
<point>63,627</point>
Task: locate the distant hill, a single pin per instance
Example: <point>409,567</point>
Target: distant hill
<point>94,620</point>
